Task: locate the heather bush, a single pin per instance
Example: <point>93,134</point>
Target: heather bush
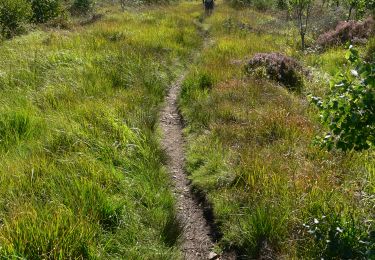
<point>45,10</point>
<point>327,19</point>
<point>344,32</point>
<point>14,14</point>
<point>278,67</point>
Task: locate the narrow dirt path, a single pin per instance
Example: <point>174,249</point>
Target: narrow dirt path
<point>196,239</point>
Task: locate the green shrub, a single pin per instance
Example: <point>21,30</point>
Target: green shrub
<point>340,237</point>
<point>282,4</point>
<point>263,4</point>
<point>45,10</point>
<point>81,7</point>
<point>349,109</point>
<point>14,14</point>
<point>370,6</point>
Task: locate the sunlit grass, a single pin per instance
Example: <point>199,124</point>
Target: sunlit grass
<point>250,142</point>
<point>82,173</point>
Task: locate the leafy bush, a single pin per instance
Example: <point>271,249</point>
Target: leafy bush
<point>14,14</point>
<point>337,237</point>
<point>370,6</point>
<point>359,6</point>
<point>278,67</point>
<point>45,10</point>
<point>263,4</point>
<point>282,4</point>
<point>82,6</point>
<point>349,109</point>
<point>344,32</point>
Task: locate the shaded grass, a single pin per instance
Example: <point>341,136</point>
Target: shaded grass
<point>82,172</point>
<point>250,149</point>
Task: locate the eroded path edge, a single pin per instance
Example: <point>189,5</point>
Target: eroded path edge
<point>196,239</point>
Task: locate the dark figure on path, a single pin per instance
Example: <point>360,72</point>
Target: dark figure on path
<point>208,6</point>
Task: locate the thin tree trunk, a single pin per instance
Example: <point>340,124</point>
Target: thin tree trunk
<point>301,29</point>
<point>350,12</point>
<point>303,41</point>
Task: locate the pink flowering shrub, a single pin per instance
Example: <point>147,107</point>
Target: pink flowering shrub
<point>277,67</point>
<point>351,31</point>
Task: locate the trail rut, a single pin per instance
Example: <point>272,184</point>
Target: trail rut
<point>196,239</point>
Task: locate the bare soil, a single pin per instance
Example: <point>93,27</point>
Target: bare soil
<point>196,239</point>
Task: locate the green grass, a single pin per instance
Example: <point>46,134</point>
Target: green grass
<point>82,172</point>
<point>250,147</point>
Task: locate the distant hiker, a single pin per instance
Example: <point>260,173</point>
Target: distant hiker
<point>208,6</point>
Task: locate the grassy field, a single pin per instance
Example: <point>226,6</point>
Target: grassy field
<point>82,173</point>
<point>81,169</point>
<point>250,149</point>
